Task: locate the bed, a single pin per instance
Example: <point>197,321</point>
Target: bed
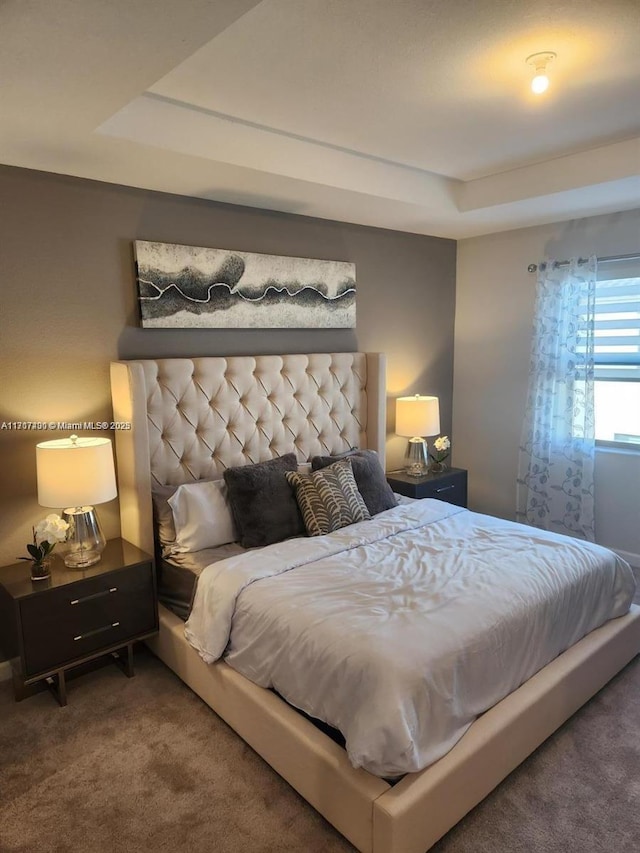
<point>193,418</point>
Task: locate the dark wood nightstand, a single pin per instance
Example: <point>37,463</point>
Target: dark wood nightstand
<point>50,626</point>
<point>450,485</point>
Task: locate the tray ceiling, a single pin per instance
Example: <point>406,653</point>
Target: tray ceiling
<point>414,115</point>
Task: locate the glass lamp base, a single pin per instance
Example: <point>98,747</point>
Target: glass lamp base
<point>418,457</point>
<point>417,471</point>
<point>81,559</point>
<point>85,539</point>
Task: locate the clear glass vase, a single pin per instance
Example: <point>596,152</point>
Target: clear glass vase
<point>438,467</point>
<point>40,570</point>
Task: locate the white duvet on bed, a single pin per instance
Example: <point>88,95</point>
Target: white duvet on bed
<point>399,631</point>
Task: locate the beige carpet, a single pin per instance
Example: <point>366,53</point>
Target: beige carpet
<point>143,765</point>
<point>140,765</point>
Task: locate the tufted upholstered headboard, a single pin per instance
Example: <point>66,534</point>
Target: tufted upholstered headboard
<point>193,417</point>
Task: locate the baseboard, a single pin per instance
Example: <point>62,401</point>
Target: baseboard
<point>632,559</point>
<point>5,670</point>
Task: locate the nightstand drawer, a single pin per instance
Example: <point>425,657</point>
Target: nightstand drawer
<point>76,620</point>
<point>449,486</point>
<point>445,488</point>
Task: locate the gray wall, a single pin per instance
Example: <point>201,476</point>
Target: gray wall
<point>494,318</point>
<point>69,307</point>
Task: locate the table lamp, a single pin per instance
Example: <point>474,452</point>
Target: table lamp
<point>76,473</point>
<point>417,417</point>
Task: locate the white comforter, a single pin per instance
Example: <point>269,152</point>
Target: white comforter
<point>399,631</point>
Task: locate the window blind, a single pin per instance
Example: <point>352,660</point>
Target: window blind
<point>617,329</point>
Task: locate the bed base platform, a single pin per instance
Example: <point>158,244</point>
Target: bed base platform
<point>412,815</point>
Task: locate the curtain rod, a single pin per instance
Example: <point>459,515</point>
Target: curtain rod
<point>605,260</point>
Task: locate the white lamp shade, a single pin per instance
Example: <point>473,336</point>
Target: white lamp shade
<point>417,416</point>
<point>75,472</point>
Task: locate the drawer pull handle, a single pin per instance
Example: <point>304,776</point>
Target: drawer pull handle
<point>94,596</point>
<point>445,488</point>
<point>96,631</point>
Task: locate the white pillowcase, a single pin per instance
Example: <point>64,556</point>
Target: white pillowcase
<point>202,516</point>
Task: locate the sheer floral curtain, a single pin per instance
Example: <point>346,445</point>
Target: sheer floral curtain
<point>557,448</point>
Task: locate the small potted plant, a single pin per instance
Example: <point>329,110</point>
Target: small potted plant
<point>46,535</point>
<point>440,454</point>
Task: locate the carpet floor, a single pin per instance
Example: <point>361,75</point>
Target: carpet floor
<point>143,766</point>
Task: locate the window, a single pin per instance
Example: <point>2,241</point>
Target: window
<point>617,353</point>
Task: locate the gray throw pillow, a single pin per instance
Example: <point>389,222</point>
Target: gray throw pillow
<point>263,505</point>
<point>369,476</point>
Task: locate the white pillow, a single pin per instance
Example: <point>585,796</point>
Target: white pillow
<point>202,516</point>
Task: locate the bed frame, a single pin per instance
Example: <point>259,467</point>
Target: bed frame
<point>191,418</point>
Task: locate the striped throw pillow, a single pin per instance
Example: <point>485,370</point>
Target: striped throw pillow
<point>328,499</point>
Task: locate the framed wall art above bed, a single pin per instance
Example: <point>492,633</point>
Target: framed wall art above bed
<point>194,418</point>
<point>194,287</point>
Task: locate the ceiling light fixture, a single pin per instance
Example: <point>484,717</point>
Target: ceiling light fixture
<point>539,62</point>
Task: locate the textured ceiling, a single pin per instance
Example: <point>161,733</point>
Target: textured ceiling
<point>411,114</point>
<point>442,86</point>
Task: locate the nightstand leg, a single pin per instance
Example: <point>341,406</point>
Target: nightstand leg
<point>19,690</point>
<point>125,664</point>
<point>58,686</point>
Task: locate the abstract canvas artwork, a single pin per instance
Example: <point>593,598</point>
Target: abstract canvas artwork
<point>192,287</point>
